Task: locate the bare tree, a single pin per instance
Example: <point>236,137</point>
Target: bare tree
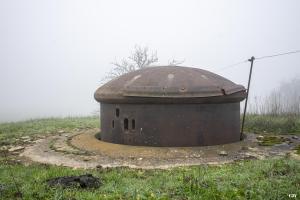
<point>140,58</point>
<point>175,62</point>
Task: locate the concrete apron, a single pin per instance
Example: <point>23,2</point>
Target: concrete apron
<point>84,150</point>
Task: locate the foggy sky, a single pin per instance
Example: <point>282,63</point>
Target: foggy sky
<point>53,54</point>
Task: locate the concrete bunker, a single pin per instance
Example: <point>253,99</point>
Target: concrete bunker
<point>170,106</point>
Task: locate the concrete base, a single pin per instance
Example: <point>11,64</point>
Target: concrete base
<point>84,150</point>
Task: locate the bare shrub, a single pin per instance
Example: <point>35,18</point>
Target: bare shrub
<point>284,100</point>
<point>175,62</point>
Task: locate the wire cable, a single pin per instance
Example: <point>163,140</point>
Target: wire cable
<point>258,58</point>
<point>275,55</point>
<point>232,65</point>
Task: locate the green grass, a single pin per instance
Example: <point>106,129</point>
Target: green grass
<point>267,179</point>
<point>298,150</point>
<point>9,132</point>
<point>272,124</point>
<point>270,179</point>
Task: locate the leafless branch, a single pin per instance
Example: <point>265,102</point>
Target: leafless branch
<point>176,62</point>
<point>139,58</point>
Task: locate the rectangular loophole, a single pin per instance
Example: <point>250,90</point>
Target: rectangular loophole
<point>117,112</point>
<point>113,123</point>
<point>133,124</point>
<point>125,124</point>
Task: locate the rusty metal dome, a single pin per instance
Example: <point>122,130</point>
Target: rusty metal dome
<point>170,84</point>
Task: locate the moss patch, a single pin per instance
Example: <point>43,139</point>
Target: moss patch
<point>271,140</point>
<point>298,150</point>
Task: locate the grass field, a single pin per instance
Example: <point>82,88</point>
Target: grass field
<point>270,179</point>
<point>289,124</point>
<point>10,132</point>
<point>255,179</point>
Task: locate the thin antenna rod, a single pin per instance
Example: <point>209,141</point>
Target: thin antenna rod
<point>248,89</point>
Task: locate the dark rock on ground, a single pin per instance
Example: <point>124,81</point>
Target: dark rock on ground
<point>249,157</point>
<point>223,153</point>
<point>16,148</point>
<point>295,137</point>
<point>83,181</point>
